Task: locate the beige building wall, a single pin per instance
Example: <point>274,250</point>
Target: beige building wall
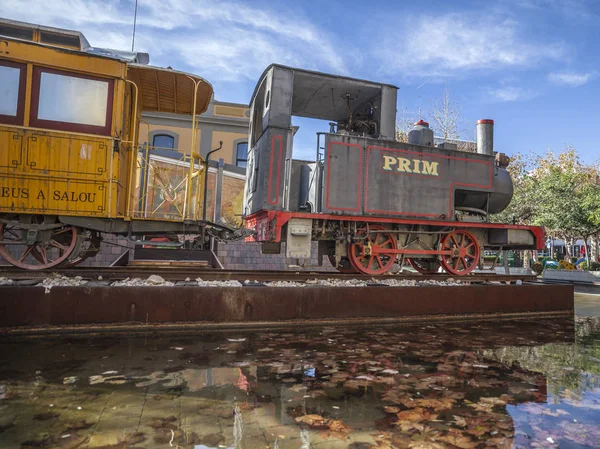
<point>184,143</point>
<point>229,151</point>
<point>226,122</point>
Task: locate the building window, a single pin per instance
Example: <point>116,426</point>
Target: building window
<point>71,102</point>
<point>12,92</point>
<point>163,142</point>
<point>242,154</point>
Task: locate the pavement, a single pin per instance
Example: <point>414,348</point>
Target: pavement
<point>587,304</point>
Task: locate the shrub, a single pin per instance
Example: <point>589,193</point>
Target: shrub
<point>594,266</point>
<point>537,268</point>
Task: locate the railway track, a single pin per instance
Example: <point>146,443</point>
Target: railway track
<point>181,274</point>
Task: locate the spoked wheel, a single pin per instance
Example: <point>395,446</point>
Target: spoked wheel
<point>57,246</point>
<point>88,246</point>
<point>425,266</point>
<point>368,254</point>
<point>344,267</point>
<point>464,252</point>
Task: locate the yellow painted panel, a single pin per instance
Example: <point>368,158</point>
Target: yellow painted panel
<point>54,196</point>
<point>230,111</point>
<point>63,59</point>
<point>11,141</point>
<point>68,155</point>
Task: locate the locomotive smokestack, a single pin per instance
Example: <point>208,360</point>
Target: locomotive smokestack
<point>421,134</point>
<point>485,137</point>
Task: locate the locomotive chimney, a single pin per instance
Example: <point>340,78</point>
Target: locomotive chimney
<point>421,134</point>
<point>485,137</point>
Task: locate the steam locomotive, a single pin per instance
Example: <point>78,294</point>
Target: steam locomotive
<point>367,199</point>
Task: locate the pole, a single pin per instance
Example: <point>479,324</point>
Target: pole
<point>134,22</point>
<point>218,191</point>
<point>206,178</point>
<point>205,190</point>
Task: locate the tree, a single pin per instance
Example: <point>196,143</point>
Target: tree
<point>446,117</point>
<point>404,123</point>
<point>523,207</point>
<point>568,196</point>
<point>557,192</point>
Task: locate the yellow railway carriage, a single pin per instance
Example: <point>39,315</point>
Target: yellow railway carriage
<point>70,164</point>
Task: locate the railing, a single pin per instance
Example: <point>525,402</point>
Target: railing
<point>165,188</point>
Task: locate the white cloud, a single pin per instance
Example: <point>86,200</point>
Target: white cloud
<point>509,93</point>
<point>450,44</point>
<point>224,40</point>
<point>570,79</point>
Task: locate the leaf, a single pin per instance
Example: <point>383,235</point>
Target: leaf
<point>313,421</point>
<point>459,440</point>
<point>436,404</point>
<point>391,409</point>
<point>319,422</point>
<point>407,426</point>
<point>416,414</point>
<point>460,421</point>
<point>336,425</point>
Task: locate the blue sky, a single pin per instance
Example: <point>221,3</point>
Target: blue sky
<point>531,65</point>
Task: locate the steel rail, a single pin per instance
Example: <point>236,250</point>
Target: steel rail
<point>182,273</point>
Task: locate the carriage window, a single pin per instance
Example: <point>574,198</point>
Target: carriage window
<point>242,155</point>
<point>62,40</point>
<point>71,102</point>
<point>12,89</point>
<point>163,141</point>
<point>254,172</point>
<point>19,33</point>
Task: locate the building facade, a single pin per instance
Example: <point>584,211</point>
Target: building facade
<point>222,122</point>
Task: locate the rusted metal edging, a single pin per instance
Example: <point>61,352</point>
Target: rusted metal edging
<point>84,305</point>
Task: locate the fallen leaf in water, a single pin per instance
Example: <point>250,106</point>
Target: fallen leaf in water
<point>335,425</point>
<point>313,421</point>
<point>426,445</point>
<point>436,404</point>
<point>416,414</point>
<point>391,409</point>
<point>319,422</point>
<point>460,421</point>
<point>459,440</point>
<point>407,426</point>
<point>493,401</point>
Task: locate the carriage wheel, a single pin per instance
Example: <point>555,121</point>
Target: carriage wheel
<point>425,266</point>
<point>361,252</point>
<point>464,255</point>
<point>88,248</point>
<point>38,255</point>
<point>344,267</point>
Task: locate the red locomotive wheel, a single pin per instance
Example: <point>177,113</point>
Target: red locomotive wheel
<point>464,255</point>
<point>344,267</point>
<point>368,255</point>
<point>425,266</point>
<point>39,255</point>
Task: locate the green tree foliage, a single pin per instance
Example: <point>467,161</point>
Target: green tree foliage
<point>557,192</point>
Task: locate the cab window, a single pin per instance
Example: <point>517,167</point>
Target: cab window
<point>71,102</point>
<point>12,92</point>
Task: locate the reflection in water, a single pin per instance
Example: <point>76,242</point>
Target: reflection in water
<point>509,384</point>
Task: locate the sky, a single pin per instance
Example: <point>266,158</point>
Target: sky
<point>533,66</point>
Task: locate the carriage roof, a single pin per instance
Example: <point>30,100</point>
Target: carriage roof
<point>160,89</point>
